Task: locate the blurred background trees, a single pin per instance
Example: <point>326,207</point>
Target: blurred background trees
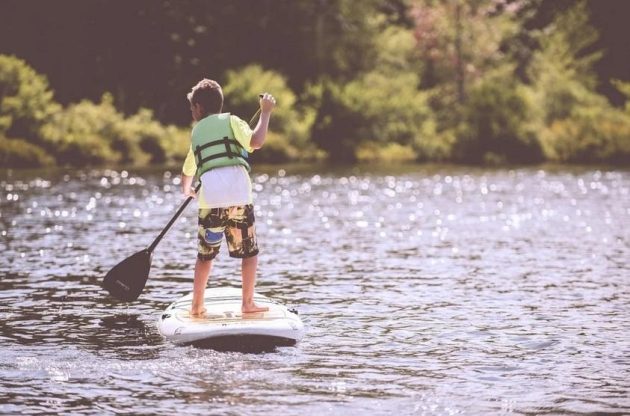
<point>475,81</point>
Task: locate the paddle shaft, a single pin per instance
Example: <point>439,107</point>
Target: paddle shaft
<point>172,221</point>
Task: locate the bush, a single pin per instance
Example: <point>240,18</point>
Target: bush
<point>389,152</point>
<point>624,88</point>
<point>437,147</point>
<point>376,107</point>
<point>561,74</point>
<point>290,123</point>
<point>496,126</point>
<point>86,134</point>
<point>90,134</point>
<point>336,124</point>
<point>154,141</point>
<point>590,135</point>
<point>82,134</point>
<point>380,114</point>
<point>18,153</point>
<point>575,123</point>
<point>26,102</point>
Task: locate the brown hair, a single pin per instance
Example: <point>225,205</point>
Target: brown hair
<point>208,94</point>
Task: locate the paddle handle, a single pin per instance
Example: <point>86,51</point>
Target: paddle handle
<point>172,221</point>
<point>255,114</point>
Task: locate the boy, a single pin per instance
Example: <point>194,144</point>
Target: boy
<point>218,152</point>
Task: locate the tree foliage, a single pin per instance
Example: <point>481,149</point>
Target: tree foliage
<point>576,124</point>
<point>26,100</point>
<point>478,81</point>
<point>289,126</point>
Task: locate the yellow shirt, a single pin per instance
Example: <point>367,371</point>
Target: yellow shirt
<point>242,133</point>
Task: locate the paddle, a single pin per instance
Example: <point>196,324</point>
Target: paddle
<point>127,279</point>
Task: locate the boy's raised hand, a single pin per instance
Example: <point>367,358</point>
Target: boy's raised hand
<point>267,102</point>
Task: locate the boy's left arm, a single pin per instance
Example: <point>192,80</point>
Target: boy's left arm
<point>242,133</point>
<point>267,104</point>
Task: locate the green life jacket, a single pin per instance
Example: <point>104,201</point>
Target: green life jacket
<point>214,145</point>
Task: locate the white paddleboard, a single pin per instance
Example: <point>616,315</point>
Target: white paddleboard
<point>225,327</point>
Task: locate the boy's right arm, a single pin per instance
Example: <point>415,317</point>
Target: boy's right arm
<point>267,103</point>
<point>187,186</point>
<point>188,173</point>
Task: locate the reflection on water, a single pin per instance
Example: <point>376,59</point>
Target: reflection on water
<point>425,290</point>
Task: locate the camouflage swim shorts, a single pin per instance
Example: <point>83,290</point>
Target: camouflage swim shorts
<point>237,223</point>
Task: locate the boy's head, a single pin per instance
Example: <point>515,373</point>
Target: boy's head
<point>205,98</point>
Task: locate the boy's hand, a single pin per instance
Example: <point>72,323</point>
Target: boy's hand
<point>190,193</point>
<point>267,103</point>
<point>187,188</point>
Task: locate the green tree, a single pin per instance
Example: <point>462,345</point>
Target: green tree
<point>462,40</point>
<point>624,89</point>
<point>497,123</point>
<point>85,134</point>
<point>290,125</point>
<point>26,100</point>
<point>576,124</point>
<point>90,133</point>
<point>469,73</point>
<point>561,72</point>
<point>378,108</point>
<point>18,153</point>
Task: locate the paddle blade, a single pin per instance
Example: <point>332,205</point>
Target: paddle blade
<point>127,279</point>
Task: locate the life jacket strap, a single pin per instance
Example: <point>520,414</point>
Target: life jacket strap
<point>226,141</point>
<point>228,149</point>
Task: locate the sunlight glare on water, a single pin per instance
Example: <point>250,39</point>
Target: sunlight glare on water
<point>424,290</point>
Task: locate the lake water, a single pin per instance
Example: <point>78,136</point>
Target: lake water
<point>429,290</point>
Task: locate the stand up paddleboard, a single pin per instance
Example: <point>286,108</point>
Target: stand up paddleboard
<point>224,327</point>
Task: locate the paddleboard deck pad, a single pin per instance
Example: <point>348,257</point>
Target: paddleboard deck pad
<point>224,327</point>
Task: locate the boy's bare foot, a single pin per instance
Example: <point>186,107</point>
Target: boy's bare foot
<point>198,313</point>
<point>253,308</point>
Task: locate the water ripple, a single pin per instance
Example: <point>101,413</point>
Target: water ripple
<point>426,290</point>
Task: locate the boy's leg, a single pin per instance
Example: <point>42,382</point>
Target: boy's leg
<point>241,239</point>
<point>209,236</point>
<point>202,272</point>
<point>250,264</point>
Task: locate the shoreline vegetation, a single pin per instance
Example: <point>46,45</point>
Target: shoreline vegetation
<point>453,84</point>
